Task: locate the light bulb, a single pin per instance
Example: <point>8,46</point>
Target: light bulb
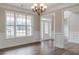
<point>32,7</point>
<point>41,4</point>
<point>45,7</point>
<point>35,5</point>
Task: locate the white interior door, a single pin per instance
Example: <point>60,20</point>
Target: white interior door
<point>45,30</point>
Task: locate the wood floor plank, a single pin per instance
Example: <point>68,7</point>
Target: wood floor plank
<point>40,48</point>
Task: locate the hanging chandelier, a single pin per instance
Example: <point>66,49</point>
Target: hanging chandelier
<point>39,8</point>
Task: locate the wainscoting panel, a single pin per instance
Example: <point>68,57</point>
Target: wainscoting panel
<point>74,37</point>
<point>53,35</point>
<point>9,42</point>
<point>36,35</point>
<point>60,40</point>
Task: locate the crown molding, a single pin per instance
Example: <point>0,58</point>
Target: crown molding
<point>10,7</point>
<point>58,8</point>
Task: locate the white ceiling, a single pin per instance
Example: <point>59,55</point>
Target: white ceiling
<point>74,9</point>
<point>27,6</point>
<point>50,6</point>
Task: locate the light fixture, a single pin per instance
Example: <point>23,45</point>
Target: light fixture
<point>39,8</point>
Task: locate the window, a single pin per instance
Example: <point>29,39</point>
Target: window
<point>46,28</point>
<point>10,24</point>
<point>18,24</point>
<point>29,25</point>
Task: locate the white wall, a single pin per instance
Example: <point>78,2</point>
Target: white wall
<point>9,42</point>
<point>74,22</point>
<point>74,28</point>
<point>60,39</point>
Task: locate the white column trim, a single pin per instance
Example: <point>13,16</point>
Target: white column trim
<point>60,40</point>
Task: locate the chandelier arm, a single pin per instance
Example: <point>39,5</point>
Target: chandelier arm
<point>39,9</point>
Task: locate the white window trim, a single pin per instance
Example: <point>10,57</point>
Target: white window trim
<point>15,24</point>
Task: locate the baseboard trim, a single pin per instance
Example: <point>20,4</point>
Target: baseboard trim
<point>19,46</point>
<point>23,45</point>
<point>48,39</point>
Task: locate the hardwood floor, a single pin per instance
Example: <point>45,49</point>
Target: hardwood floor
<point>41,48</point>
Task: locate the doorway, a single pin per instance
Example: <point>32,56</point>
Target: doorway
<point>45,28</point>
